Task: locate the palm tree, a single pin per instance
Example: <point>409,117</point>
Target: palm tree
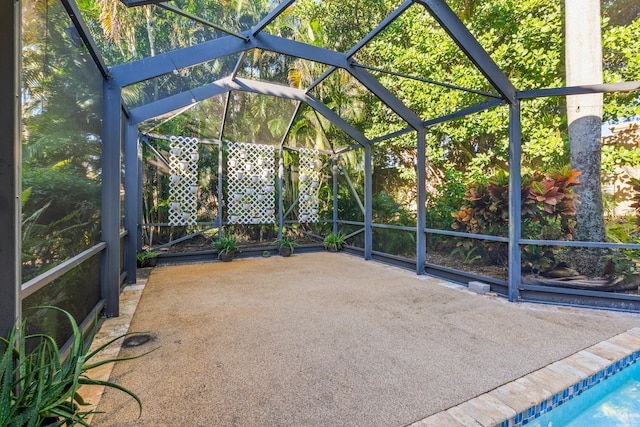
<point>584,112</point>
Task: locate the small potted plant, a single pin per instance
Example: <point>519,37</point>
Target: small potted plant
<point>147,259</point>
<point>333,242</point>
<point>285,245</point>
<point>226,246</point>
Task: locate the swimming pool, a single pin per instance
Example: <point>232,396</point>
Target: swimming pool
<point>611,403</point>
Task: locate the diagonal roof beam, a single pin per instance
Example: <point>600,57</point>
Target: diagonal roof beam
<point>154,66</point>
<point>300,95</point>
<point>470,46</point>
<point>180,100</point>
<point>433,82</point>
<point>184,99</point>
<point>386,96</point>
<point>80,25</point>
<point>326,56</point>
<point>384,24</point>
<point>336,120</point>
<point>457,115</point>
<point>578,90</point>
<point>193,17</point>
<point>271,16</point>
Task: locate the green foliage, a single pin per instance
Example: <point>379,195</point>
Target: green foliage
<point>536,259</point>
<point>286,242</point>
<point>548,204</point>
<point>333,241</point>
<point>145,255</point>
<point>146,258</point>
<point>38,388</point>
<point>466,250</point>
<point>448,198</point>
<point>626,263</point>
<point>226,243</point>
<point>61,164</point>
<point>385,210</point>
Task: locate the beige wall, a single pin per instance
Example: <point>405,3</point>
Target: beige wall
<point>627,135</point>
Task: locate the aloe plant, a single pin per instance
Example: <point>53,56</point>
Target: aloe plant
<point>38,387</point>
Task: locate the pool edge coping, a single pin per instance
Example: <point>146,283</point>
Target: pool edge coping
<point>518,402</point>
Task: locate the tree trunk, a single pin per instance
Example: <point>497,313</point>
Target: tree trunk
<point>584,113</point>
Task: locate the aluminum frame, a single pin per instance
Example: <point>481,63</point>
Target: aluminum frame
<point>10,167</point>
<point>130,73</point>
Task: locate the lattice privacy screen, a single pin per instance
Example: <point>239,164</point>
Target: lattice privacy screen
<point>250,188</point>
<point>309,184</point>
<point>183,162</point>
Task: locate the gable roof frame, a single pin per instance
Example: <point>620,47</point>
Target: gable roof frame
<point>461,35</point>
<point>227,84</point>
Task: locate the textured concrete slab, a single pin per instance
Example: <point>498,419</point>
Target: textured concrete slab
<point>329,339</point>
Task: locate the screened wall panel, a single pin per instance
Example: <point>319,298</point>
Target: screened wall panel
<point>61,168</point>
<point>77,292</point>
<point>257,118</point>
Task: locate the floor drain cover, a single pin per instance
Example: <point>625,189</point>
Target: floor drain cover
<point>136,340</point>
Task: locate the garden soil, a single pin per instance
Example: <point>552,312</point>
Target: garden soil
<point>328,339</point>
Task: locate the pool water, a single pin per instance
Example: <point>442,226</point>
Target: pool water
<point>614,402</point>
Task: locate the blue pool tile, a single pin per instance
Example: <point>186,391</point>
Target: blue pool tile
<point>518,418</point>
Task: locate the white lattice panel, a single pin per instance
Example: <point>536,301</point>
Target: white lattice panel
<point>250,183</point>
<point>310,169</point>
<point>183,162</point>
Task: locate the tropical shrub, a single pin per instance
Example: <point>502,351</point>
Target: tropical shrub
<point>548,202</point>
<point>548,210</point>
<point>38,387</point>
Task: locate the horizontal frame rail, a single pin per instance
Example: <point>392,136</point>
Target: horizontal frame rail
<point>468,235</point>
<point>577,243</point>
<point>37,283</point>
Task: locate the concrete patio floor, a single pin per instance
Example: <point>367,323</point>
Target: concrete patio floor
<point>328,339</point>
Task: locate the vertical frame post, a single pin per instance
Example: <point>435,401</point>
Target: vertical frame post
<point>368,202</point>
<point>132,194</point>
<point>220,192</point>
<point>515,200</point>
<point>280,195</point>
<point>334,167</point>
<point>139,191</point>
<point>110,218</point>
<point>10,166</point>
<point>421,220</point>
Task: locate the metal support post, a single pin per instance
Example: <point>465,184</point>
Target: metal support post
<point>368,202</point>
<point>334,164</point>
<point>132,194</point>
<point>220,192</point>
<point>111,133</point>
<point>10,166</point>
<point>515,196</point>
<point>280,196</point>
<point>421,220</point>
<point>139,192</point>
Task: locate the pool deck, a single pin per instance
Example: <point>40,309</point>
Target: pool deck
<point>539,392</point>
<point>509,404</point>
